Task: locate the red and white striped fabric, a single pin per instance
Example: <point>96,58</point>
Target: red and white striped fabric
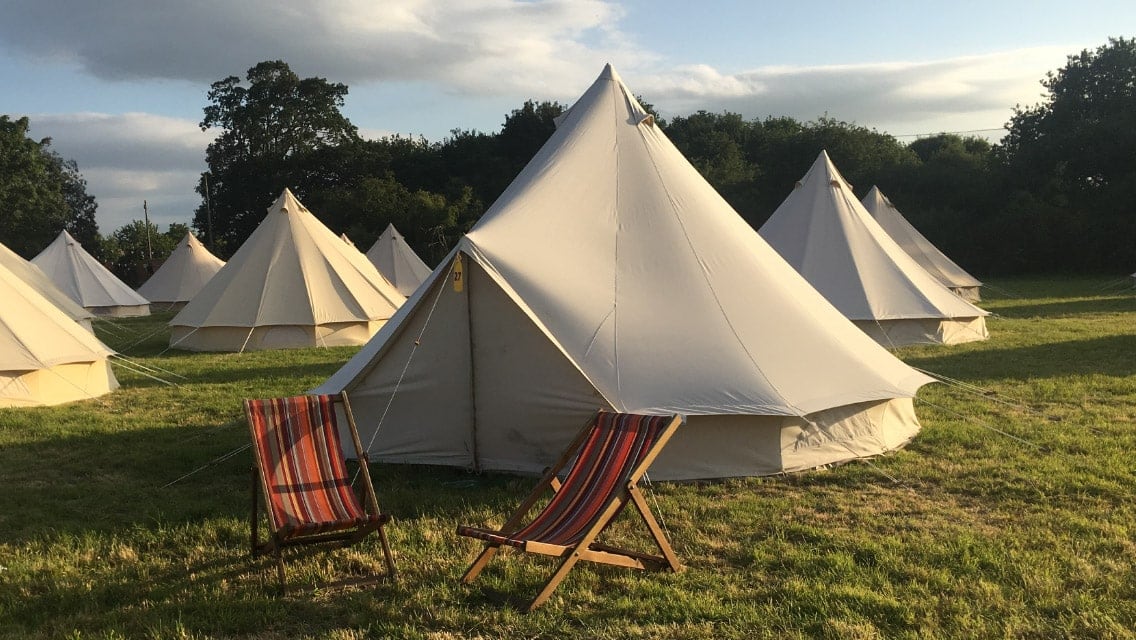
<point>616,445</point>
<point>296,442</point>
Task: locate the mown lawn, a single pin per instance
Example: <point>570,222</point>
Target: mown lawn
<point>1013,514</point>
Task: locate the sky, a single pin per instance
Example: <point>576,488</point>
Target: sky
<point>120,85</point>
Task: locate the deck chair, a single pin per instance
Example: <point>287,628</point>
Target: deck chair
<point>300,470</point>
<point>608,457</point>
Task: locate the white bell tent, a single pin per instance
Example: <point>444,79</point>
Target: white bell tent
<point>397,261</point>
<point>187,270</point>
<point>46,358</point>
<point>87,282</point>
<point>292,284</point>
<point>610,274</point>
<point>43,285</point>
<point>824,232</point>
<point>920,248</point>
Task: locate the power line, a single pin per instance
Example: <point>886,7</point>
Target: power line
<point>925,135</point>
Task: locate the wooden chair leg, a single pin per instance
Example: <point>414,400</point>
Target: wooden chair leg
<point>280,571</point>
<point>387,553</point>
<point>479,564</point>
<point>555,580</point>
<point>657,533</point>
<point>254,537</point>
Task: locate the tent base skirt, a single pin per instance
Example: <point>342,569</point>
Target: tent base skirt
<point>56,385</point>
<point>728,446</point>
<point>336,334</point>
<point>899,333</point>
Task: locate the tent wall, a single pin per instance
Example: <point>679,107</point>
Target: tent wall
<point>284,336</point>
<point>530,400</point>
<point>122,311</point>
<point>898,333</point>
<point>970,294</point>
<point>429,420</point>
<point>484,389</point>
<point>56,385</point>
<point>729,446</point>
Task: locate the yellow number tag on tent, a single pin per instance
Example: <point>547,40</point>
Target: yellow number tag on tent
<point>458,275</point>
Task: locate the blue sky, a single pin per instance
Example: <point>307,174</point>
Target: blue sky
<point>119,85</point>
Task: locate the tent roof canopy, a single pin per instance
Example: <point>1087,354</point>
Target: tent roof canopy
<point>825,233</point>
<point>292,270</point>
<point>631,264</point>
<point>80,276</point>
<point>914,243</point>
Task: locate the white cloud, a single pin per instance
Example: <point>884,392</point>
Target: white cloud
<point>131,157</point>
<point>484,47</point>
<point>971,91</point>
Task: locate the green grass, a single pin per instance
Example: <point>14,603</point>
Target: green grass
<point>1013,514</point>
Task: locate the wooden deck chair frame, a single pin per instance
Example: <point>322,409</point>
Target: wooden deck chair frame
<point>283,534</point>
<point>587,548</point>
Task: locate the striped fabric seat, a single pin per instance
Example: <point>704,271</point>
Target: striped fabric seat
<point>296,441</point>
<point>613,449</point>
<point>601,468</point>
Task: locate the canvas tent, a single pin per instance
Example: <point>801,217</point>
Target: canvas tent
<point>293,283</point>
<point>43,285</point>
<point>920,248</point>
<point>46,358</point>
<point>823,231</point>
<point>182,275</point>
<point>397,261</point>
<point>87,282</point>
<point>611,274</point>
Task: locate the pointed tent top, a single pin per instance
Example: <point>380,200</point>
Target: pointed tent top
<point>189,266</point>
<point>80,276</point>
<point>292,270</point>
<point>937,263</point>
<point>43,285</point>
<point>609,223</point>
<point>823,231</point>
<point>394,258</point>
<point>287,203</point>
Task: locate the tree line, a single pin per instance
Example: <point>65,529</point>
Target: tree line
<point>1055,194</point>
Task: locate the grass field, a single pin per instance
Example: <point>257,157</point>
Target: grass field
<point>1013,513</point>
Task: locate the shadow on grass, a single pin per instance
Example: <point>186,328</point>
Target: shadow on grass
<point>197,374</point>
<point>106,483</point>
<point>1066,308</point>
<point>1073,357</point>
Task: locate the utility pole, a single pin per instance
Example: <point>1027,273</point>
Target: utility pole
<point>149,249</point>
<point>208,212</point>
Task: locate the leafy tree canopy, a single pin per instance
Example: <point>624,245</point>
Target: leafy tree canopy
<point>42,193</point>
<point>267,128</point>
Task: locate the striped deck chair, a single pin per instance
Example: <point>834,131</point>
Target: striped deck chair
<point>301,472</point>
<point>609,456</point>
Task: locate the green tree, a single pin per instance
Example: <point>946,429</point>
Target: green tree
<point>267,130</point>
<point>41,193</point>
<point>1070,163</point>
<point>139,249</point>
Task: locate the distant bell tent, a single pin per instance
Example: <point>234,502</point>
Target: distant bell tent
<point>920,248</point>
<point>611,275</point>
<point>46,358</point>
<point>189,267</point>
<point>824,232</point>
<point>87,282</point>
<point>34,277</point>
<point>397,261</point>
<point>292,284</point>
